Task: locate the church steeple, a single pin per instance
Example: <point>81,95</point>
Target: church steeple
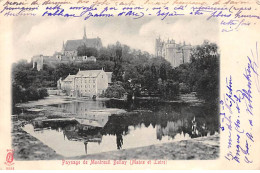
<point>85,35</point>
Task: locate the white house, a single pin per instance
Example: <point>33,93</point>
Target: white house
<point>86,83</point>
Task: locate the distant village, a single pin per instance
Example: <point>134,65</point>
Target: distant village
<point>93,83</point>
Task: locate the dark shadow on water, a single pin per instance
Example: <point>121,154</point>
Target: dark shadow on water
<point>168,119</point>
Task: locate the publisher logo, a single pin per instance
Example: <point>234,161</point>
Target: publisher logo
<point>9,158</point>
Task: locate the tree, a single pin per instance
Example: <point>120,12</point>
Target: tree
<point>163,73</point>
<point>118,71</point>
<point>171,89</point>
<point>87,51</point>
<point>104,54</point>
<point>204,72</point>
<point>42,93</point>
<point>116,90</point>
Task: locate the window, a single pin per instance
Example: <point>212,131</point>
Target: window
<point>93,80</point>
<point>93,86</point>
<point>102,76</point>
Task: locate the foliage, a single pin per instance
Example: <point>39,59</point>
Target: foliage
<point>117,74</point>
<point>168,89</point>
<point>43,92</point>
<point>184,88</point>
<point>87,51</point>
<point>20,94</point>
<point>202,74</point>
<point>116,90</point>
<point>138,73</point>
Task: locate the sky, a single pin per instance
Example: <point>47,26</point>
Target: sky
<point>45,35</point>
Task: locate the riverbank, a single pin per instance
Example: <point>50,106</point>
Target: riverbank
<point>204,148</point>
<point>53,99</point>
<point>27,147</point>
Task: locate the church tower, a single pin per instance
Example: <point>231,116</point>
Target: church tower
<point>85,35</point>
<point>158,46</point>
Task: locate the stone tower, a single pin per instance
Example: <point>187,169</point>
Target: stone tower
<point>176,54</point>
<point>38,62</point>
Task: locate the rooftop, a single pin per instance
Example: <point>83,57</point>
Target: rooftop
<point>88,73</point>
<point>72,45</point>
<point>69,78</point>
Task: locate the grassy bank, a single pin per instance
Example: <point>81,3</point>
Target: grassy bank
<point>204,148</point>
<point>26,147</point>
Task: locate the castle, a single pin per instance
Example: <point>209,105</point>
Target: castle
<point>176,54</point>
<point>69,52</point>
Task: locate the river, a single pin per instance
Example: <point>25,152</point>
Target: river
<point>140,123</point>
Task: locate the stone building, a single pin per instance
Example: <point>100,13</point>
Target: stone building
<point>66,84</point>
<point>69,53</point>
<point>174,53</point>
<point>85,83</point>
<point>70,47</point>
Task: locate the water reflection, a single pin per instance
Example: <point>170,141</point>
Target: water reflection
<point>119,140</point>
<point>145,123</point>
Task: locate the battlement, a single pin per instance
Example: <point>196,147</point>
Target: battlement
<point>175,53</point>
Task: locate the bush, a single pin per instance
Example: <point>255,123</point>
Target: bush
<point>42,93</point>
<point>20,94</point>
<point>184,88</point>
<point>172,89</point>
<point>169,90</point>
<point>115,91</point>
<point>32,93</point>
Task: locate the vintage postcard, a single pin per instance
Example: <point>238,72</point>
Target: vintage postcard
<point>125,84</point>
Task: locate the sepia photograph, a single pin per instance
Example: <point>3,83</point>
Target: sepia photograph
<point>115,89</point>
